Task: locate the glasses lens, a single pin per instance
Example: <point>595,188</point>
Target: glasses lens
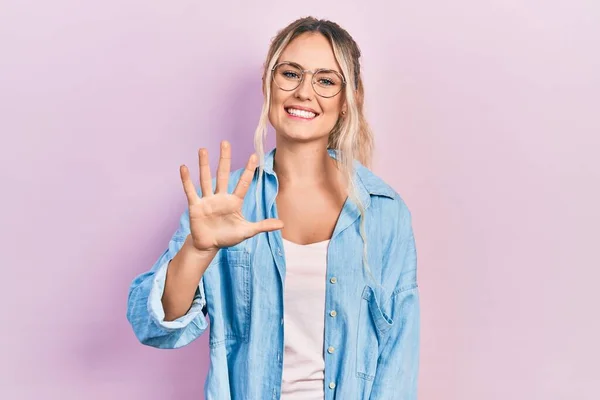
<point>287,76</point>
<point>327,83</point>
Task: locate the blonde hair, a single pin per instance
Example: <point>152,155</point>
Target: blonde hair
<point>351,136</point>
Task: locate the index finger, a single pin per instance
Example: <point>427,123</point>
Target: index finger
<point>244,183</point>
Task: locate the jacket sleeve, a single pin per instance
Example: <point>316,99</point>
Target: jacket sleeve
<point>144,306</point>
<point>398,365</point>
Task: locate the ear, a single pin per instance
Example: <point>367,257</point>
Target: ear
<point>344,109</point>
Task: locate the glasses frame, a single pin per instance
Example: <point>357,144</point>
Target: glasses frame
<point>303,73</point>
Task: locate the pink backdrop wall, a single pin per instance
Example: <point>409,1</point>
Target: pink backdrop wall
<point>487,122</point>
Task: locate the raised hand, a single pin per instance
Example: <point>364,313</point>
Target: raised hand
<point>216,219</point>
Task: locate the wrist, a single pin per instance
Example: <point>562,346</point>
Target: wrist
<point>192,250</point>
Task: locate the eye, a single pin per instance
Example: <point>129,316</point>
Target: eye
<point>326,82</point>
<point>290,74</point>
<point>327,79</point>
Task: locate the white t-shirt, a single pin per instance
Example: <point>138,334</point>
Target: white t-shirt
<point>304,321</point>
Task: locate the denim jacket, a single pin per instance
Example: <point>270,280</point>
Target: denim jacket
<point>374,331</point>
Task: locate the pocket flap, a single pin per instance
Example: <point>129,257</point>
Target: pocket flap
<point>237,257</point>
<point>382,322</point>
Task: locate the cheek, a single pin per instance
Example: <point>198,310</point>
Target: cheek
<point>332,106</point>
<point>332,109</point>
<point>275,106</point>
<point>277,101</point>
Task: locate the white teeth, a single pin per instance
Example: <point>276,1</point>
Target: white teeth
<point>301,113</point>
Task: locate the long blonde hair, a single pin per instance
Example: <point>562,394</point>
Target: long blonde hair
<point>351,136</point>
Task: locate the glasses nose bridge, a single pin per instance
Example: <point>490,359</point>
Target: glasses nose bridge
<point>311,71</point>
<point>301,82</point>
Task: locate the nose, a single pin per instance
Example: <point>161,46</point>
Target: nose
<point>305,91</point>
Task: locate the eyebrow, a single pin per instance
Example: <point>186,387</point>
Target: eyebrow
<point>302,67</point>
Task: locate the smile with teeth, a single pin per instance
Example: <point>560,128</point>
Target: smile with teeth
<point>301,113</point>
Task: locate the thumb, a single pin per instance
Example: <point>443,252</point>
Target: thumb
<point>266,225</point>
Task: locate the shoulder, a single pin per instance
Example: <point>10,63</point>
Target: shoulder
<point>390,216</point>
<point>393,228</point>
<point>385,198</point>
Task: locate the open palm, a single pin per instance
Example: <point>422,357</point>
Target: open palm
<point>216,219</point>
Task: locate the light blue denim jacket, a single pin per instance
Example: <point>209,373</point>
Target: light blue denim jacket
<point>374,331</point>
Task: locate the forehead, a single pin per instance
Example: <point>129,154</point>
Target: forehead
<point>311,51</point>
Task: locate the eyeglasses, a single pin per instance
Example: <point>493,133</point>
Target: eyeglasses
<point>325,82</point>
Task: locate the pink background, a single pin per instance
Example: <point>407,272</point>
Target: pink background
<point>487,122</point>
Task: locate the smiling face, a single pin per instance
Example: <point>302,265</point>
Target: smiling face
<point>301,114</point>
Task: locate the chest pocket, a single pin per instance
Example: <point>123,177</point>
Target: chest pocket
<point>373,329</point>
<point>236,288</point>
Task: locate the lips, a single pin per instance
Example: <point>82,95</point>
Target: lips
<point>301,112</point>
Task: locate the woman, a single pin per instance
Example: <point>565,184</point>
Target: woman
<point>298,308</point>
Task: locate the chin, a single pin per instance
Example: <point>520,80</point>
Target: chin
<point>300,131</point>
<point>299,135</point>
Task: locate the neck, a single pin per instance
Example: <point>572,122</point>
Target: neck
<point>302,165</point>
